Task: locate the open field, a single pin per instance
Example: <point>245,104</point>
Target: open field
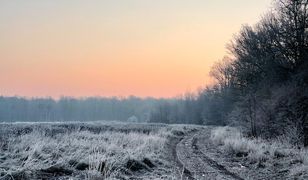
<point>87,150</point>
<point>114,150</point>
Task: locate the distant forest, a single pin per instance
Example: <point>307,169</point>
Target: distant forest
<point>262,86</point>
<point>19,109</point>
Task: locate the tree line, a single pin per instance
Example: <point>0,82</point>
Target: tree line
<point>20,109</point>
<point>262,86</point>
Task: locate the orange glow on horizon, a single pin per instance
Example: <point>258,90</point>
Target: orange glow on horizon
<point>104,48</point>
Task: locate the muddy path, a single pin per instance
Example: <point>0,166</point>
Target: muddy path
<point>196,164</point>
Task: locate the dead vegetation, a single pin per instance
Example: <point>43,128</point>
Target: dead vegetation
<point>275,156</point>
<point>85,151</point>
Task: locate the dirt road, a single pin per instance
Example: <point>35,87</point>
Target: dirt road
<point>192,151</point>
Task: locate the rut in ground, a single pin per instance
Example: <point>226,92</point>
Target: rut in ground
<point>197,163</point>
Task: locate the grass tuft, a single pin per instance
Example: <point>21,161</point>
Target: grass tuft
<point>260,151</point>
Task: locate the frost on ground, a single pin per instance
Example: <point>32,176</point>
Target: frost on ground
<point>260,159</point>
<point>86,151</point>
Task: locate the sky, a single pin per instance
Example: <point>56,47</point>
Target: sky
<point>157,48</point>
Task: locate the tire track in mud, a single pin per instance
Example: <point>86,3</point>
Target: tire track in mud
<point>183,173</point>
<point>196,163</point>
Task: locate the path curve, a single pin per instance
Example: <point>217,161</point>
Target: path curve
<point>196,163</point>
